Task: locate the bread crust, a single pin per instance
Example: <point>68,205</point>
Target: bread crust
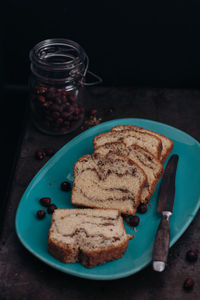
<point>157,176</point>
<point>153,187</point>
<point>158,150</point>
<point>163,156</point>
<point>167,153</point>
<point>93,258</point>
<point>68,254</point>
<point>62,252</point>
<point>89,259</point>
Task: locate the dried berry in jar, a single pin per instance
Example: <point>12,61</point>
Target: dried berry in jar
<point>56,111</point>
<point>58,69</point>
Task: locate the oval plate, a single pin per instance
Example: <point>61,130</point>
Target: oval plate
<point>33,233</point>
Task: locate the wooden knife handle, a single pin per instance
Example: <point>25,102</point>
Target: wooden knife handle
<point>161,244</point>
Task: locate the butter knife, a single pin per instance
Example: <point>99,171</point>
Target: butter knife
<point>165,207</point>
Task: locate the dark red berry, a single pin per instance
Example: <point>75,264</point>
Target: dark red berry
<point>46,105</point>
<point>191,256</point>
<point>132,220</point>
<point>63,98</point>
<point>40,89</point>
<point>188,284</point>
<point>59,90</point>
<point>142,208</point>
<point>65,115</point>
<point>55,107</point>
<point>51,208</point>
<point>39,155</point>
<point>41,99</point>
<point>40,214</point>
<point>58,100</point>
<point>51,93</point>
<point>45,201</point>
<point>65,186</point>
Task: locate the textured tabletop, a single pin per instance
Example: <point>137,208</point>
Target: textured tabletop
<point>23,276</point>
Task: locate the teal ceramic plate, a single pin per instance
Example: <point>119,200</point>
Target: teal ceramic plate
<point>33,232</point>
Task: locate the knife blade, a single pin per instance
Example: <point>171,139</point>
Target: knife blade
<point>165,207</point>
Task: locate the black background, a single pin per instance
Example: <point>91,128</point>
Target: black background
<point>142,42</point>
<point>136,43</point>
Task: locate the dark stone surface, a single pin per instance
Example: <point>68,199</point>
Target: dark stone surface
<point>22,276</point>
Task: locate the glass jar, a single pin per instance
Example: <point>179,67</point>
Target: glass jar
<point>58,70</point>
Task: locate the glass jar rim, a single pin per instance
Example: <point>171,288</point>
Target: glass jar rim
<point>37,55</point>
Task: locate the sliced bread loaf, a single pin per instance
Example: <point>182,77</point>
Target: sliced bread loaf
<point>151,166</point>
<point>91,236</point>
<point>145,140</point>
<point>110,181</point>
<point>167,144</point>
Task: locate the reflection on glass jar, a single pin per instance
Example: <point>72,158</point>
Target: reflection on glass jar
<point>58,69</point>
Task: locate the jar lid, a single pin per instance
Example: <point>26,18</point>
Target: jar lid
<point>62,56</point>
